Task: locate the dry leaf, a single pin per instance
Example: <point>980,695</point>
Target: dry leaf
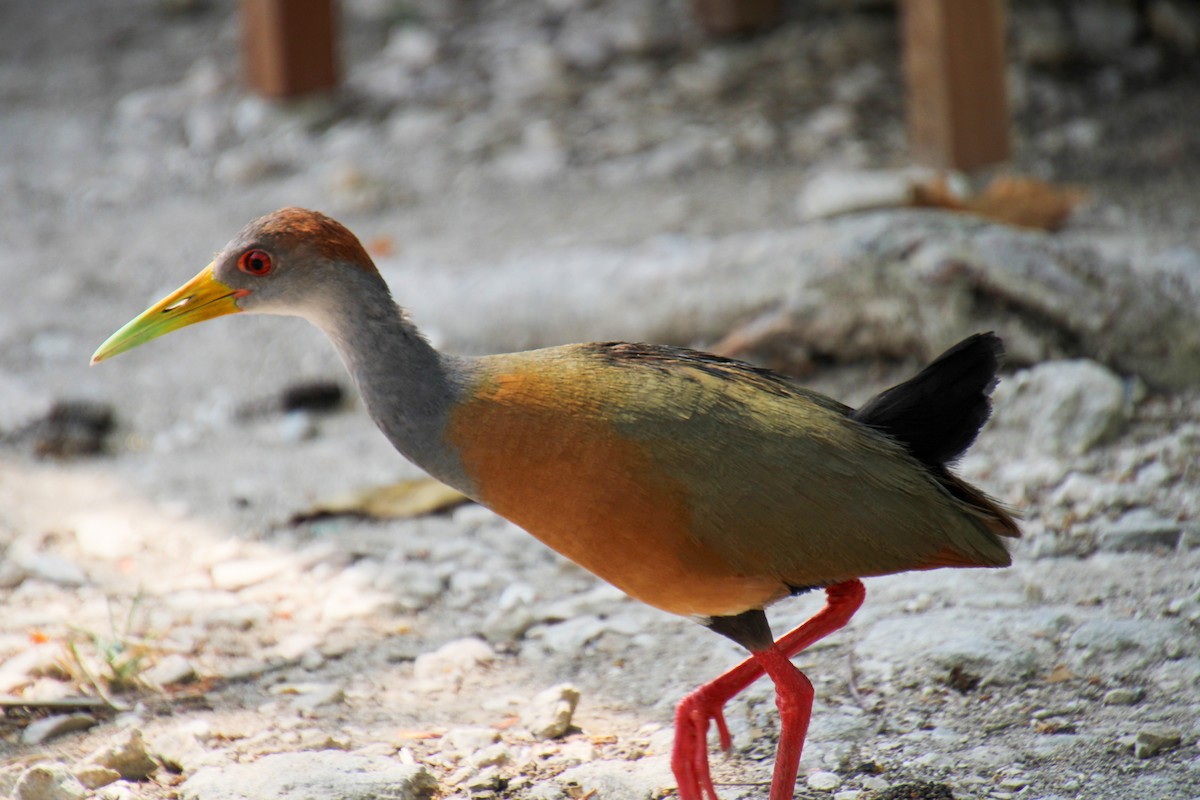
<point>1012,200</point>
<point>1060,674</point>
<point>403,500</point>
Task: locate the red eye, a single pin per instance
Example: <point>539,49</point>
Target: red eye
<point>255,262</point>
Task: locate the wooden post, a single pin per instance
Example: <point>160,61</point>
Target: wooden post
<point>955,69</point>
<point>289,46</point>
<point>736,17</point>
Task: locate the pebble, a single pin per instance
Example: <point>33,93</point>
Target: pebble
<point>847,794</point>
<point>302,776</point>
<point>823,781</point>
<point>43,730</point>
<point>459,742</point>
<point>93,776</point>
<point>49,781</point>
<point>1153,739</point>
<point>548,714</point>
<point>128,757</point>
<point>173,669</point>
<point>1123,696</point>
<point>52,568</point>
<point>1062,408</point>
<point>831,193</point>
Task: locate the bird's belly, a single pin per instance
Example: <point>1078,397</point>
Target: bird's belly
<point>598,500</point>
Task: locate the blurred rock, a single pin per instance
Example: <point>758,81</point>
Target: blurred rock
<point>453,660</point>
<point>42,730</point>
<point>93,776</point>
<point>127,756</point>
<point>1063,407</point>
<point>1154,739</point>
<point>304,776</point>
<point>171,670</point>
<point>831,193</point>
<point>49,781</point>
<point>822,781</point>
<point>1141,529</point>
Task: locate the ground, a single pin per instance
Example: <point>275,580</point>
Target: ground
<point>128,155</point>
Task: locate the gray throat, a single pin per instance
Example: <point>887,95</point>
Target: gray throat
<point>409,388</point>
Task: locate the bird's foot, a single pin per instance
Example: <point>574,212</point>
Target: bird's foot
<point>689,758</point>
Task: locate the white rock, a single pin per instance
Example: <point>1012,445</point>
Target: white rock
<point>304,776</point>
<point>49,781</point>
<point>453,660</point>
<point>172,669</point>
<point>548,714</point>
<point>1061,407</point>
<point>240,573</point>
<point>413,47</point>
<point>93,776</point>
<point>127,756</point>
<point>823,781</point>
<point>1123,646</point>
<point>45,729</point>
<point>52,567</point>
<point>831,193</point>
<point>105,534</point>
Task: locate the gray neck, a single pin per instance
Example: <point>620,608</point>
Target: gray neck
<point>409,388</point>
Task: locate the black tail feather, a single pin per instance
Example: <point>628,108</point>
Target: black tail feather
<point>938,413</point>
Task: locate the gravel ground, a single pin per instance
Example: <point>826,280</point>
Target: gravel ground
<point>453,654</point>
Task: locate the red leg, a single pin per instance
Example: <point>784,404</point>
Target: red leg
<point>689,759</point>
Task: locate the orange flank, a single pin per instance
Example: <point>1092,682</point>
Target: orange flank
<point>593,496</point>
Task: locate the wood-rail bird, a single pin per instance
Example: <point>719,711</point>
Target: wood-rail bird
<point>703,486</point>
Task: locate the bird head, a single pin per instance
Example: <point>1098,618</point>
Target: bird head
<point>277,265</point>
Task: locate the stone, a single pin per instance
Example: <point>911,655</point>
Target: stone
<point>453,660</point>
<point>1122,696</point>
<point>93,776</point>
<point>172,670</point>
<point>644,779</point>
<point>1122,646</point>
<point>1062,408</point>
<point>240,573</point>
<point>999,646</point>
<point>309,775</point>
<point>1153,739</point>
<point>548,714</point>
<point>52,567</point>
<point>1142,529</point>
<point>43,730</point>
<point>49,781</point>
<point>822,781</point>
<point>179,750</point>
<point>128,757</point>
<point>460,741</point>
<point>830,193</point>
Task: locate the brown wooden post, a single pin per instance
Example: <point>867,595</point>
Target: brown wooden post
<point>955,69</point>
<point>289,47</point>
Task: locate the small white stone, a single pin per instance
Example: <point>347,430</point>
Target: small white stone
<point>823,781</point>
<point>171,670</point>
<point>548,714</point>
